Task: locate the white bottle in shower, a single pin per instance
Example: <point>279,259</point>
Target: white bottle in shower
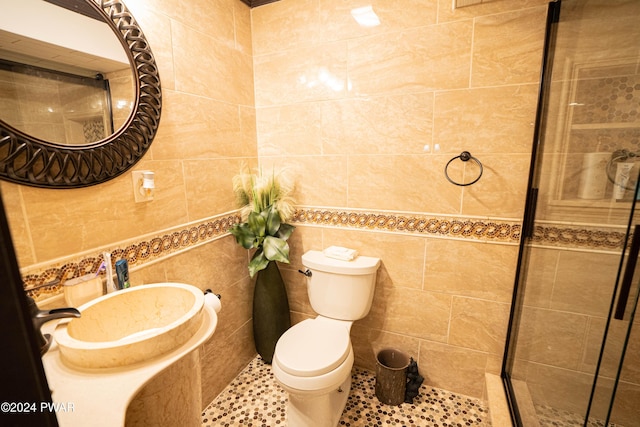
<point>621,183</point>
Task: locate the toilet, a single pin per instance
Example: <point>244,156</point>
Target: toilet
<point>313,359</point>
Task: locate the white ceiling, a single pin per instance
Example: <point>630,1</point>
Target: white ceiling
<point>22,49</point>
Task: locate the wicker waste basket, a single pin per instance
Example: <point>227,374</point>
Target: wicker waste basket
<point>391,376</point>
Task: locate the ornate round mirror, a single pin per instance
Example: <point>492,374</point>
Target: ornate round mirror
<point>74,112</point>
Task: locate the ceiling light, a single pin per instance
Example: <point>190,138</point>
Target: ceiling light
<point>365,16</point>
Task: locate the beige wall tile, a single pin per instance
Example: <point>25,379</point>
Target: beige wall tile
<point>223,358</point>
<point>208,186</point>
<point>290,130</point>
<point>46,131</point>
<point>398,124</point>
<point>478,324</point>
<point>296,285</point>
<point>301,75</point>
<point>85,218</point>
<point>209,67</point>
<point>237,300</point>
<point>218,265</point>
<point>614,346</point>
<point>389,182</point>
<point>625,406</point>
<point>416,313</point>
<point>286,25</point>
<point>539,277</point>
<point>551,337</point>
<point>154,273</point>
<point>414,60</point>
<point>494,364</point>
<point>320,180</point>
<point>476,270</point>
<point>612,350</point>
<point>242,27</point>
<point>248,131</point>
<point>507,47</point>
<point>602,398</point>
<point>452,368</point>
<point>502,188</point>
<point>302,240</point>
<point>561,388</point>
<point>519,369</point>
<point>584,282</point>
<point>337,17</point>
<point>402,257</point>
<point>631,364</point>
<point>447,13</point>
<point>597,42</point>
<point>213,19</point>
<point>495,120</point>
<point>197,128</point>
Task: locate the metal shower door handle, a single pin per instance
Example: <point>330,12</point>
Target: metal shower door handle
<point>629,271</point>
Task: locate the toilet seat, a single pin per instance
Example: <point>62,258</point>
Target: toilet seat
<point>313,347</point>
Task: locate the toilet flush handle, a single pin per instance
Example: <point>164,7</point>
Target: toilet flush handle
<point>306,272</point>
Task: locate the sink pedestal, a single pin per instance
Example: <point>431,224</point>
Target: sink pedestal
<point>164,390</point>
<point>154,405</point>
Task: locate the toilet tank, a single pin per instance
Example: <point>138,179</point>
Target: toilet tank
<point>340,289</point>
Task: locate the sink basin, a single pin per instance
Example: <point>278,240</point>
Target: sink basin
<point>131,325</point>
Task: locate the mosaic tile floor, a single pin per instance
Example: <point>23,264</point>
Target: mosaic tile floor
<point>553,417</point>
<point>254,399</point>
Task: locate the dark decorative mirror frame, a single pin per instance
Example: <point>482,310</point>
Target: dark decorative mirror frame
<point>30,161</point>
<point>256,3</point>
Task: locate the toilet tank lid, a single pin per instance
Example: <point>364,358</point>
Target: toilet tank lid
<point>316,260</point>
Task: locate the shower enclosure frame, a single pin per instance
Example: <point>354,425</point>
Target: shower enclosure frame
<point>624,268</point>
<point>553,12</point>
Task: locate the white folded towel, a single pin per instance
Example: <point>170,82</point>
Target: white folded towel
<point>338,252</point>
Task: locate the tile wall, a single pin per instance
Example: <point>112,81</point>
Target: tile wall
<point>207,130</point>
<point>367,118</point>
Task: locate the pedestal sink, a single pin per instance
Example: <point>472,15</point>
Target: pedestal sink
<point>131,325</point>
<point>131,358</point>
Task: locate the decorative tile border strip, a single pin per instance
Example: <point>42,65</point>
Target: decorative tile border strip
<point>49,282</point>
<point>44,283</point>
<point>583,237</point>
<point>480,229</point>
<point>587,237</point>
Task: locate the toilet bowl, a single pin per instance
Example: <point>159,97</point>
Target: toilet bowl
<point>312,363</point>
<point>313,359</point>
<point>314,355</point>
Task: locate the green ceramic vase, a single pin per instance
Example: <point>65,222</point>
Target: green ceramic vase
<point>271,316</point>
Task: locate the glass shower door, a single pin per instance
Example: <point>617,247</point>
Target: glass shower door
<point>569,360</point>
<point>616,391</point>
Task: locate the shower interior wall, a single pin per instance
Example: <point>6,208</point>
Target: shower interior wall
<point>366,118</point>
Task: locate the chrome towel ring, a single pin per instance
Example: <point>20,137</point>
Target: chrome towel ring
<point>465,156</point>
<point>620,156</point>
